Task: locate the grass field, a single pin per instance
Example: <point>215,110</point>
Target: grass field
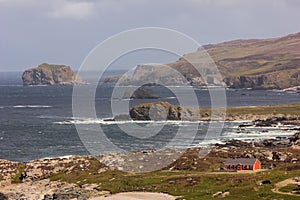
<point>185,184</point>
<point>189,185</point>
<point>290,109</point>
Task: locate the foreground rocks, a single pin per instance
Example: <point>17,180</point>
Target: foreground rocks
<point>44,168</point>
<point>48,74</point>
<point>33,182</point>
<point>50,190</point>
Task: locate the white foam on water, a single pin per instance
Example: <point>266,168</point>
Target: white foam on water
<point>59,157</point>
<point>109,121</point>
<point>208,142</point>
<point>32,106</point>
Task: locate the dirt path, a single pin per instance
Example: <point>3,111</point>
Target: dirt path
<point>285,183</point>
<point>137,196</point>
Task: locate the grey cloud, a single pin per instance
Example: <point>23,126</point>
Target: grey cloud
<point>65,31</point>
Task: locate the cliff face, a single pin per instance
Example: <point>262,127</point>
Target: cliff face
<point>46,74</point>
<point>259,64</point>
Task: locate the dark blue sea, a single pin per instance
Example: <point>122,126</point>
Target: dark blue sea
<point>37,121</point>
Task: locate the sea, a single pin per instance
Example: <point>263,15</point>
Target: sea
<point>38,122</point>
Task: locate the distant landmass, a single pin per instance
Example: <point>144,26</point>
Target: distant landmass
<point>50,74</point>
<point>254,63</point>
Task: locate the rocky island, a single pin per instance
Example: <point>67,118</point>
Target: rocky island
<point>50,74</point>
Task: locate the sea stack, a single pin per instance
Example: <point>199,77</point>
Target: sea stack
<point>50,74</point>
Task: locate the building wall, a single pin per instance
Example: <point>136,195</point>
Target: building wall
<point>257,165</point>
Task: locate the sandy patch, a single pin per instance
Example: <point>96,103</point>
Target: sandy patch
<point>285,183</point>
<point>137,196</point>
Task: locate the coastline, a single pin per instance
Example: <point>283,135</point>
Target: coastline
<point>84,176</point>
<point>88,177</point>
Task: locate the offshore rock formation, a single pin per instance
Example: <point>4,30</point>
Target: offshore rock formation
<point>163,111</point>
<point>143,92</point>
<point>48,74</point>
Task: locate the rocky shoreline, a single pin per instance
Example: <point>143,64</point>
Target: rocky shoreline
<point>33,180</point>
<point>268,115</point>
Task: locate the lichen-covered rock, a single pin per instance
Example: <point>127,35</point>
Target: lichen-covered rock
<point>46,74</point>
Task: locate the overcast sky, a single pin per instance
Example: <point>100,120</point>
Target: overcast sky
<point>64,31</point>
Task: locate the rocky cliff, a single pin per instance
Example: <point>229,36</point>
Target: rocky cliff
<point>256,63</point>
<point>48,74</point>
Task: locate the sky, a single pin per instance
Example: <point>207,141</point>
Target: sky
<point>65,31</point>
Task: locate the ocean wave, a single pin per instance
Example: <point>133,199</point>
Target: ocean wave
<point>170,97</point>
<point>262,134</point>
<point>12,85</point>
<point>109,121</point>
<point>207,142</point>
<point>32,106</point>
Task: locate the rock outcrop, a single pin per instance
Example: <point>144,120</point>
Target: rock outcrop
<point>48,74</point>
<point>141,93</point>
<point>163,111</point>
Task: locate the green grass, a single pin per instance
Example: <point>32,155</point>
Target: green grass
<point>291,188</point>
<point>187,184</point>
<point>290,109</point>
<point>51,67</point>
<point>16,179</point>
<point>254,71</point>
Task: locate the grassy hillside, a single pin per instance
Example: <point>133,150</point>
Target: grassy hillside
<point>259,64</point>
